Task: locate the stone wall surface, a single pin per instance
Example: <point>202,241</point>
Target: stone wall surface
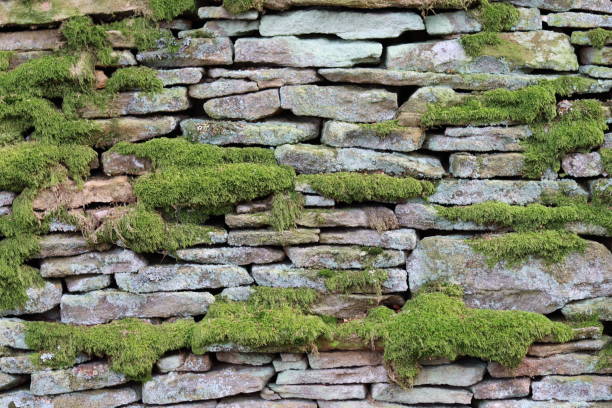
<point>320,87</point>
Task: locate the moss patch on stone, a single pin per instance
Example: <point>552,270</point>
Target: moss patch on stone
<point>497,16</point>
<point>347,187</point>
<point>81,34</point>
<point>286,209</point>
<point>606,160</point>
<point>357,281</point>
<point>599,37</point>
<point>5,59</point>
<point>134,79</point>
<point>168,9</point>
<point>383,129</point>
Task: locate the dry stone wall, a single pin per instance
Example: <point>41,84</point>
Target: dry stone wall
<point>407,119</point>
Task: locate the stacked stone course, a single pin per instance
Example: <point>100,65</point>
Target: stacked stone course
<point>302,81</point>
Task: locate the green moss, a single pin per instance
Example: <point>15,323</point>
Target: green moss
<point>497,16</point>
<point>604,361</point>
<point>357,281</point>
<point>286,209</point>
<point>5,59</point>
<point>606,160</point>
<point>552,246</point>
<point>599,37</point>
<point>383,129</point>
<point>358,187</point>
<point>269,298</point>
<point>145,33</point>
<point>16,278</point>
<point>81,34</point>
<point>133,346</point>
<point>474,44</point>
<point>134,79</point>
<point>146,231</point>
<point>169,9</point>
<point>241,6</point>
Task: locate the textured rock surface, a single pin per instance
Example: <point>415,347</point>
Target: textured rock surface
<point>339,257</point>
<point>465,165</point>
<point>601,306</point>
<point>322,392</point>
<point>84,377</point>
<point>502,389</point>
<point>115,261</point>
<point>420,395</point>
<point>251,106</point>
<point>342,134</point>
<point>141,103</point>
<point>559,364</point>
<point>464,22</point>
<point>581,388</point>
<point>193,52</point>
<point>231,255</point>
<point>40,299</point>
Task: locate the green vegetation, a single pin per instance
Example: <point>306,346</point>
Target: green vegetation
<point>132,345</point>
<point>383,129</point>
<point>599,37</point>
<point>82,34</point>
<point>241,6</point>
<point>134,79</point>
<point>473,44</point>
<point>354,281</point>
<point>358,187</point>
<point>605,357</point>
<point>145,33</point>
<point>5,59</point>
<point>168,9</point>
<point>16,278</point>
<point>286,209</point>
<point>606,160</point>
<point>497,16</point>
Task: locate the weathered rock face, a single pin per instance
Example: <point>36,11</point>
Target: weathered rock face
<point>40,299</point>
<point>531,286</point>
<point>342,134</point>
<point>133,129</point>
<point>581,388</point>
<point>464,22</point>
<point>601,306</point>
<point>115,261</point>
<point>420,395</point>
<point>87,376</point>
<point>193,52</point>
<point>99,191</point>
<point>140,103</point>
<point>340,257</point>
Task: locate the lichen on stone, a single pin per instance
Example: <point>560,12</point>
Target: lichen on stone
<point>496,17</point>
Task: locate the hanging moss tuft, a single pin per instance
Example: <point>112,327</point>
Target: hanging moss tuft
<point>286,209</point>
<point>134,79</point>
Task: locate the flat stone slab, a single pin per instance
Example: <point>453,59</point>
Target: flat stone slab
<point>502,389</point>
<point>291,51</point>
<point>347,103</point>
<point>268,77</point>
<point>336,359</point>
<point>8,381</point>
<point>531,286</point>
<point>267,133</point>
<point>402,239</point>
<point>547,350</point>
<point>184,361</point>
<point>219,383</point>
<point>563,5</point>
<point>194,52</point>
<point>222,28</point>
<point>313,159</point>
<point>456,374</point>
<point>425,217</point>
<point>180,76</point>
<point>252,106</point>
<point>420,395</point>
<point>141,103</point>
<point>231,255</point>
<point>206,13</point>
<point>360,375</point>
<point>249,402</point>
<point>515,192</point>
<point>464,22</point>
<point>86,376</point>
<point>348,25</point>
<point>527,403</point>
<point>583,164</point>
<point>274,238</point>
<point>40,299</point>
<point>554,52</point>
<point>98,398</point>
<point>221,87</point>
<point>560,364</point>
<point>596,56</point>
<point>321,392</point>
<point>578,20</point>
<point>12,333</point>
<point>134,129</point>
<point>6,198</point>
<point>105,305</point>
<point>92,263</point>
<point>600,306</point>
<point>31,40</point>
<point>87,283</point>
<point>343,257</point>
<point>596,71</point>
<point>466,165</point>
<point>254,359</point>
<point>343,134</point>
<point>165,278</point>
<point>97,190</point>
<point>479,139</point>
<point>52,245</point>
<point>581,388</point>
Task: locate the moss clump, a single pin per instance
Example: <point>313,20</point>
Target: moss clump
<point>132,345</point>
<point>82,34</point>
<point>241,6</point>
<point>146,231</point>
<point>359,281</point>
<point>383,129</point>
<point>145,33</point>
<point>474,44</point>
<point>5,59</point>
<point>497,16</point>
<point>606,160</point>
<point>16,278</point>
<point>605,357</point>
<point>134,78</point>
<point>513,248</point>
<point>599,37</point>
<point>169,9</point>
<point>357,187</point>
<point>269,298</point>
<point>286,209</point>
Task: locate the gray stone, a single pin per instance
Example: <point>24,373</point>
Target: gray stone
<point>358,404</point>
<point>288,276</point>
<point>395,239</point>
<point>336,359</point>
<point>134,129</point>
<point>582,38</point>
<point>268,77</point>
<point>250,106</point>
<point>106,305</point>
<point>166,278</point>
<point>342,257</point>
<point>88,376</point>
<point>270,237</point>
<point>347,103</point>
<point>221,87</point>
<point>457,375</point>
<point>141,103</point>
<point>8,381</point>
<point>268,133</point>
<point>219,383</point>
<point>322,392</point>
<point>114,261</point>
<point>564,5</point>
<point>116,164</point>
<point>378,218</point>
<point>110,398</point>
<point>547,350</point>
<point>596,71</point>
<point>237,294</point>
<point>342,134</point>
<point>96,190</point>
<point>280,365</point>
<point>22,398</point>
<point>6,198</point>
<point>206,13</point>
<point>360,375</point>
<point>250,220</point>
<point>559,364</point>
<point>420,395</point>
<point>5,211</point>
<point>254,359</point>
<point>348,25</point>
<point>247,402</point>
<point>465,192</point>
<point>425,217</point>
<point>317,201</point>
<point>31,40</point>
<point>292,51</point>
<point>479,139</point>
<point>311,159</point>
<point>596,56</point>
<point>184,361</point>
<point>222,28</point>
<point>527,403</point>
<point>12,333</point>
<point>87,283</point>
<point>601,306</point>
<point>62,245</point>
<point>531,286</point>
<point>180,76</point>
<point>231,255</point>
<point>40,299</point>
<point>194,52</point>
<point>120,58</point>
<point>465,22</point>
<point>554,52</point>
<point>578,20</point>
<point>466,165</point>
<point>581,388</point>
<point>502,389</point>
<point>396,77</point>
<point>582,164</point>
